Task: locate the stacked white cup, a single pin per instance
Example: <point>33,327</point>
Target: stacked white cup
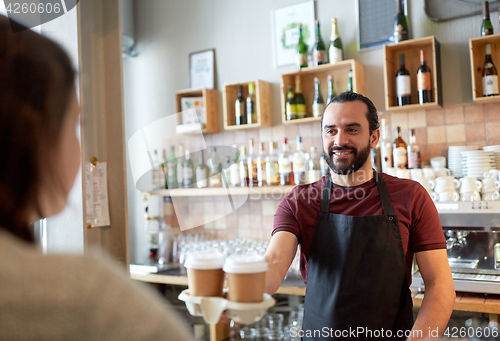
<point>469,189</point>
<point>445,189</point>
<point>490,187</point>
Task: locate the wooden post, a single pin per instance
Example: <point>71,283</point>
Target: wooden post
<point>219,331</point>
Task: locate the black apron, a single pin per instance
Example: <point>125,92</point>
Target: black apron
<point>356,278</point>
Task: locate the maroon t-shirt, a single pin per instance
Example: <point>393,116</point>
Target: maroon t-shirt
<point>417,215</point>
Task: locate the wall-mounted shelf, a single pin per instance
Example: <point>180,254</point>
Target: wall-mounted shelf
<point>262,99</point>
<point>411,49</point>
<point>195,192</point>
<point>340,73</point>
<point>211,109</point>
<point>477,55</point>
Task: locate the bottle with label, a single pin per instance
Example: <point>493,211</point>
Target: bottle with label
<point>188,170</point>
<point>300,102</point>
<point>490,75</point>
<point>323,166</point>
<point>424,80</point>
<point>240,108</point>
<point>291,112</point>
<point>318,104</point>
<point>226,179</point>
<point>235,169</point>
<point>261,166</point>
<point>243,167</point>
<point>172,169</point>
<point>319,51</point>
<point>164,168</point>
<point>215,169</point>
<point>201,173</point>
<point>301,51</point>
<point>349,81</point>
<point>399,151</point>
<point>385,147</point>
<point>252,166</point>
<point>400,24</point>
<point>251,109</point>
<point>331,89</point>
<point>414,160</point>
<point>336,51</point>
<point>403,84</point>
<point>314,170</point>
<point>180,166</point>
<point>486,26</point>
<point>272,166</point>
<point>285,165</point>
<point>299,164</point>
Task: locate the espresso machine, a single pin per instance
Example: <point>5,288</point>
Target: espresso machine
<point>472,231</point>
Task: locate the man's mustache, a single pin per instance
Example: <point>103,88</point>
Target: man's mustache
<point>345,147</point>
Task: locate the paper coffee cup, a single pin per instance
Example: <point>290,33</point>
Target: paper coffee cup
<point>246,277</point>
<point>205,274</point>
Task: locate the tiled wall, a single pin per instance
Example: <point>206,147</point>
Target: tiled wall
<point>473,124</point>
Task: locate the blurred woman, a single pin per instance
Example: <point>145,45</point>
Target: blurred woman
<point>55,297</point>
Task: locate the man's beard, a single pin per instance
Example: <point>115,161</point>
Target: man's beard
<point>344,167</point>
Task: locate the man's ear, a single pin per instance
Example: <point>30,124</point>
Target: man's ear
<point>374,138</point>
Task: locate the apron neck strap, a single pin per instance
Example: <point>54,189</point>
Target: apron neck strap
<point>382,190</point>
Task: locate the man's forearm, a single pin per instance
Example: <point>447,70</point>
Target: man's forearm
<point>435,311</point>
<point>274,278</point>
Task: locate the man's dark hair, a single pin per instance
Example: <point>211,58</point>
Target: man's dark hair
<point>371,114</point>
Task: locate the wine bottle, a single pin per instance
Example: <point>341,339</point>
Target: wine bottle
<point>299,164</point>
<point>301,51</point>
<point>172,169</point>
<point>261,166</point>
<point>400,24</point>
<point>300,102</point>
<point>235,169</point>
<point>385,147</point>
<point>490,75</point>
<point>424,80</point>
<point>403,84</point>
<point>201,173</point>
<point>251,109</point>
<point>399,151</point>
<point>285,165</point>
<point>335,52</point>
<point>215,170</point>
<point>180,166</point>
<point>188,170</point>
<point>319,51</point>
<point>252,166</point>
<point>414,160</point>
<point>243,167</point>
<point>349,81</point>
<point>331,90</point>
<point>239,106</point>
<point>318,104</point>
<point>291,111</point>
<point>272,167</point>
<point>486,26</point>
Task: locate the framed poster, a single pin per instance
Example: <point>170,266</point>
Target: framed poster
<point>202,69</point>
<point>286,32</point>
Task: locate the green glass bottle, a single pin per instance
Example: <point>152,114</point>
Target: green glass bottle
<point>349,81</point>
<point>300,102</point>
<point>486,26</point>
<point>301,51</point>
<point>318,103</point>
<point>336,51</point>
<point>172,169</point>
<point>319,52</point>
<point>251,109</point>
<point>400,24</point>
<point>291,111</point>
<point>331,89</point>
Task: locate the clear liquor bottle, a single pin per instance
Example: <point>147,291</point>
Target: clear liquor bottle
<point>414,160</point>
<point>235,169</point>
<point>399,151</point>
<point>252,165</point>
<point>299,164</point>
<point>188,171</point>
<point>201,172</point>
<point>314,167</point>
<point>215,170</point>
<point>285,165</point>
<point>272,166</point>
<point>261,166</point>
<point>243,167</point>
<point>180,166</point>
<point>172,169</point>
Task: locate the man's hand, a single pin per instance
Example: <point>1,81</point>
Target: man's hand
<point>279,255</point>
<point>439,297</point>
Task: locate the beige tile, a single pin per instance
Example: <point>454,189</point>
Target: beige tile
<point>240,138</point>
<point>268,207</point>
<point>421,135</point>
<point>474,113</point>
<point>436,134</point>
<point>221,223</point>
<point>492,131</point>
<point>475,131</point>
<point>291,131</point>
<point>439,149</point>
<point>306,130</point>
<point>492,112</point>
<point>417,119</point>
<point>435,117</point>
<point>268,222</point>
<point>265,134</point>
<point>478,144</point>
<point>278,133</point>
<point>454,115</point>
<point>399,120</point>
<point>455,133</point>
<point>244,222</point>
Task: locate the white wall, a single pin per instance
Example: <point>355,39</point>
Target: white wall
<point>241,33</point>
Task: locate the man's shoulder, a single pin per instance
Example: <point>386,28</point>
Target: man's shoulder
<point>308,191</point>
<point>399,183</point>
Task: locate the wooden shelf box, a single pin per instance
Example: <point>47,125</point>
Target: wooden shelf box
<point>340,73</point>
<point>411,49</point>
<point>477,55</point>
<point>211,108</point>
<point>262,104</point>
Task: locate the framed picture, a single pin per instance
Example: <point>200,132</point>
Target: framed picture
<point>286,31</point>
<point>202,69</point>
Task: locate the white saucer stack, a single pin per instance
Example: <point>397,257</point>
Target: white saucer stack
<point>455,159</point>
<point>476,162</point>
<point>495,149</point>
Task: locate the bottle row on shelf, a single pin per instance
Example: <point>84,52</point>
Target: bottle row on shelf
<point>245,169</point>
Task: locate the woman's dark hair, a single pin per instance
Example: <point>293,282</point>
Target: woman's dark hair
<point>371,114</point>
<point>36,85</point>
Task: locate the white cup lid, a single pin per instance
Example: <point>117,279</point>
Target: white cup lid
<point>205,260</point>
<point>250,262</point>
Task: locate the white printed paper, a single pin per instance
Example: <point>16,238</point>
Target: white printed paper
<point>96,186</point>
